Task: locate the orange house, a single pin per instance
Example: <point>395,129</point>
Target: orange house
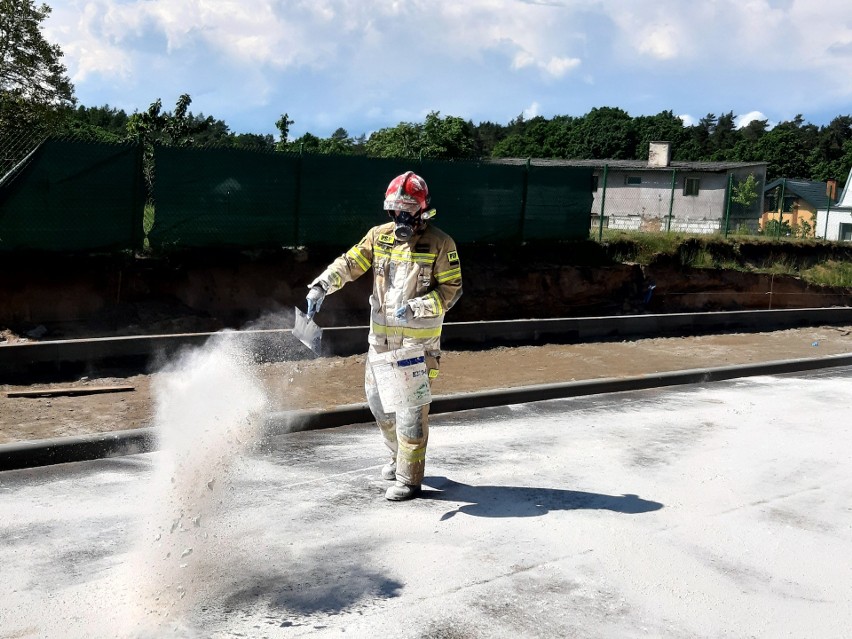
<point>796,203</point>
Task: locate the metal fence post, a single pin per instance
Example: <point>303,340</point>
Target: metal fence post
<point>297,198</point>
<point>671,201</point>
<point>523,220</point>
<point>781,208</point>
<point>603,203</point>
<point>728,203</point>
<point>827,212</point>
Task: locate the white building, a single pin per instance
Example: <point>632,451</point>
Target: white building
<point>836,223</point>
<point>659,194</point>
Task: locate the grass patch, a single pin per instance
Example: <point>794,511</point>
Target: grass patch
<point>817,262</point>
<point>148,218</point>
<point>829,273</point>
<point>147,225</point>
<point>628,246</point>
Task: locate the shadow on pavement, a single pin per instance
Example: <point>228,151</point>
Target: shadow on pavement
<point>522,501</point>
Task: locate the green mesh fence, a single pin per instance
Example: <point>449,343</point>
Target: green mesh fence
<point>224,197</point>
<point>558,203</point>
<point>71,196</point>
<point>84,196</point>
<point>341,196</point>
<point>476,202</point>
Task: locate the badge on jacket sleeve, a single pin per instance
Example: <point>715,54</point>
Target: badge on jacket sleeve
<point>453,257</point>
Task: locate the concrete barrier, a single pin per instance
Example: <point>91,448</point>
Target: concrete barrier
<point>21,360</point>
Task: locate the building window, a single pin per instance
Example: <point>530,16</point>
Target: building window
<point>846,233</point>
<point>770,201</point>
<point>691,186</point>
<point>632,180</point>
<point>594,184</point>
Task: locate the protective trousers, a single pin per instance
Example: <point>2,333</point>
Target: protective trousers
<point>405,433</point>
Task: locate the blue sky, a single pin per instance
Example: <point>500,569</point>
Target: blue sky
<point>368,64</point>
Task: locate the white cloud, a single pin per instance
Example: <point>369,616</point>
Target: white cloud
<point>688,120</point>
<point>523,59</point>
<point>660,42</point>
<point>372,59</point>
<point>746,118</point>
<point>557,67</point>
<point>532,111</point>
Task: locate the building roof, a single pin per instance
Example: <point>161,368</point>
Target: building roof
<point>846,196</point>
<point>633,165</point>
<point>811,192</point>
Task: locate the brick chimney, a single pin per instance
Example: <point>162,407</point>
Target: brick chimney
<point>831,189</point>
<point>659,154</point>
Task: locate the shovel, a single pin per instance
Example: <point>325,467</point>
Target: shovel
<point>307,332</point>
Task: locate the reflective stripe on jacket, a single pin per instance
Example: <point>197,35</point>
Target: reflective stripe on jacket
<point>424,270</point>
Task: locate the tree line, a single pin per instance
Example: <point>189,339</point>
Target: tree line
<point>793,149</point>
<point>37,98</point>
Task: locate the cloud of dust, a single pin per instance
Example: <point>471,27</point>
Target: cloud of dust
<point>209,409</point>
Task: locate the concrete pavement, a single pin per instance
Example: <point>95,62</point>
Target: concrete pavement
<point>708,510</point>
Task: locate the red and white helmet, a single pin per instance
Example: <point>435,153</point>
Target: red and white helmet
<point>407,192</point>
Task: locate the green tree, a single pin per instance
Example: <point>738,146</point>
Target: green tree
<point>105,117</point>
<point>723,137</point>
<point>604,133</point>
<point>254,141</point>
<point>697,145</point>
<point>447,138</point>
<point>754,130</point>
<point>488,135</point>
<point>745,192</point>
<point>33,81</point>
<point>832,157</point>
<point>307,143</point>
<point>283,125</point>
<point>539,138</point>
<point>437,137</point>
<point>401,141</point>
<point>339,143</point>
<point>774,228</point>
<point>784,151</point>
<point>178,128</point>
<point>31,67</point>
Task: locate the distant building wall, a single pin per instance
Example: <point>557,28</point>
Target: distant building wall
<point>838,226</point>
<point>647,205</point>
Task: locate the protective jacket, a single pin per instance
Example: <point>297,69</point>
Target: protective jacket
<point>423,272</point>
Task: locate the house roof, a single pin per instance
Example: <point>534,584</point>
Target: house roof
<point>634,165</point>
<point>846,196</point>
<point>811,192</point>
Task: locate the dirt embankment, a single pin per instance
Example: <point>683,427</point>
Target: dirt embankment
<point>56,298</point>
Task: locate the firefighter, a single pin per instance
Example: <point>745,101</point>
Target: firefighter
<point>416,280</point>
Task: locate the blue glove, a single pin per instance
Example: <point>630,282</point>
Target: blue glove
<point>315,297</point>
<point>404,313</point>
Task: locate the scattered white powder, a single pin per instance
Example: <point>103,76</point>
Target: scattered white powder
<point>209,409</point>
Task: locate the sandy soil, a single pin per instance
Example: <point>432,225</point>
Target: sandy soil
<point>337,381</point>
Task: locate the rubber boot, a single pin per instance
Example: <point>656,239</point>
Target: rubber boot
<point>402,492</point>
<point>389,470</point>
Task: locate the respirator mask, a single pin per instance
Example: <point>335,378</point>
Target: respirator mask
<point>405,224</point>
